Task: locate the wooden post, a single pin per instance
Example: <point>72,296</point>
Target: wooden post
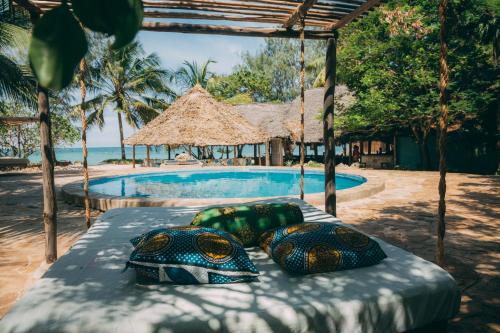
<point>133,156</point>
<point>258,153</point>
<point>369,147</point>
<point>350,152</point>
<point>302,90</point>
<point>168,152</point>
<point>268,158</point>
<point>443,122</point>
<point>394,151</point>
<point>83,93</point>
<point>148,159</point>
<point>49,189</point>
<point>190,152</point>
<point>235,154</point>
<point>19,141</point>
<point>227,152</point>
<point>328,126</point>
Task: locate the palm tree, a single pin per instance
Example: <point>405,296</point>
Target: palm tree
<point>191,74</point>
<point>16,79</point>
<point>133,84</point>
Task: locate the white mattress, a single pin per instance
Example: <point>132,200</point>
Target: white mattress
<point>86,291</point>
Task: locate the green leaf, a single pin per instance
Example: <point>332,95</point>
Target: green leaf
<point>127,20</point>
<point>95,14</point>
<point>57,46</point>
<point>121,18</point>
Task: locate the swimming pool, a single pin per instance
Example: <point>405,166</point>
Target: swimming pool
<point>227,183</point>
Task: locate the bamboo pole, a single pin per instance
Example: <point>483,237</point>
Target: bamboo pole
<point>148,159</point>
<point>302,89</point>
<point>168,152</point>
<point>133,156</point>
<point>258,153</point>
<point>268,157</point>
<point>235,155</point>
<point>443,120</point>
<point>83,93</point>
<point>49,189</point>
<point>328,126</point>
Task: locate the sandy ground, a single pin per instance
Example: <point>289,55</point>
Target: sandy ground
<point>403,214</point>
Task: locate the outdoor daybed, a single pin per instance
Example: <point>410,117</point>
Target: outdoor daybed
<point>86,291</point>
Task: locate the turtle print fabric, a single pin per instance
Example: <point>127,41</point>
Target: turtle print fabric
<point>191,255</point>
<point>248,222</point>
<point>320,247</point>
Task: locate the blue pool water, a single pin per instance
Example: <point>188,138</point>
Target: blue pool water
<point>229,183</point>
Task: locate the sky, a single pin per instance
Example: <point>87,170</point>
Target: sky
<point>174,49</point>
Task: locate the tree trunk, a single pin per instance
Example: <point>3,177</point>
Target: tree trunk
<point>133,156</point>
<point>83,93</point>
<point>49,189</point>
<point>120,127</point>
<point>328,126</point>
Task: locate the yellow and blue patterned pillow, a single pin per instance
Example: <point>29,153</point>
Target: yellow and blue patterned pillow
<point>191,255</point>
<point>320,247</point>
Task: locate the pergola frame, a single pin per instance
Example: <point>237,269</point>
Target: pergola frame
<point>304,19</point>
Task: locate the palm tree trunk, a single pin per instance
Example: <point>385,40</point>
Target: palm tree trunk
<point>122,145</point>
<point>83,93</point>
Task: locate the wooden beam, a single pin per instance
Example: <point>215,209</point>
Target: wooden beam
<point>268,157</point>
<point>299,13</point>
<point>443,121</point>
<point>328,126</point>
<point>133,156</point>
<point>18,120</point>
<point>83,94</point>
<point>234,31</point>
<point>354,14</point>
<point>302,101</point>
<point>49,188</point>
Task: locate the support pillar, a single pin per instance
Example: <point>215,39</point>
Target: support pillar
<point>328,126</point>
<point>169,153</point>
<point>133,156</point>
<point>258,154</point>
<point>302,93</point>
<point>443,122</point>
<point>83,94</point>
<point>148,159</point>
<point>268,157</point>
<point>49,189</point>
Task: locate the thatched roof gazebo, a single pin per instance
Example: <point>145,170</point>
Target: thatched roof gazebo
<point>269,117</point>
<point>197,119</point>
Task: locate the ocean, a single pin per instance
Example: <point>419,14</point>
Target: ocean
<point>96,155</point>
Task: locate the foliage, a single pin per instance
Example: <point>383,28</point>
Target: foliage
<point>132,84</point>
<point>278,62</point>
<point>58,41</point>
<point>240,99</point>
<point>121,162</point>
<point>16,83</point>
<point>241,83</point>
<point>191,74</point>
<point>391,60</point>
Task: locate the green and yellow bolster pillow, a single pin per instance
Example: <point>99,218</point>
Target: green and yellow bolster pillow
<point>249,222</point>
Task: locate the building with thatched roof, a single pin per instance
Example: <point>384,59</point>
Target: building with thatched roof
<point>197,119</point>
<point>313,110</point>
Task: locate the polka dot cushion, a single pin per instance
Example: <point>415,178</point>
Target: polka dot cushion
<point>191,255</point>
<point>320,247</point>
<point>248,222</point>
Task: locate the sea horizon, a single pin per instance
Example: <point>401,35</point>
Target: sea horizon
<point>96,155</point>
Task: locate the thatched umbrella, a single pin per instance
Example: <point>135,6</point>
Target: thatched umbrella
<point>197,119</point>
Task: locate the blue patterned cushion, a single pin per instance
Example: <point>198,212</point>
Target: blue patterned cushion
<point>320,247</point>
<point>191,255</point>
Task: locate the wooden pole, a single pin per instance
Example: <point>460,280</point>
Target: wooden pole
<point>168,152</point>
<point>133,156</point>
<point>394,151</point>
<point>83,94</point>
<point>148,157</point>
<point>235,155</point>
<point>443,123</point>
<point>258,153</point>
<point>49,189</point>
<point>227,152</point>
<point>268,157</point>
<point>328,126</point>
<point>302,93</point>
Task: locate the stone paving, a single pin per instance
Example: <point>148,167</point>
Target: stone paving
<point>403,214</point>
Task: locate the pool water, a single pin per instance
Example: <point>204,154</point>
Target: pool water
<point>218,184</point>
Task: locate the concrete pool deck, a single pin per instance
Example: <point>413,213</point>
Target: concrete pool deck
<point>73,193</point>
<point>403,214</point>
